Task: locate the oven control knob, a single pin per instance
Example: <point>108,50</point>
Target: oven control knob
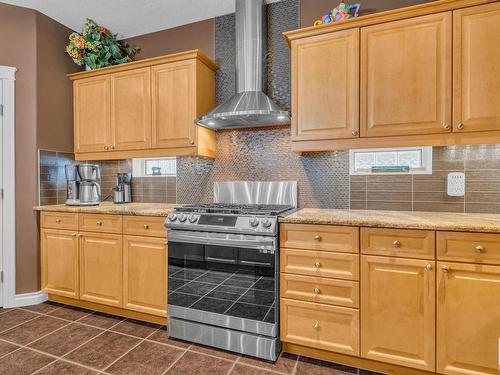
<point>254,222</point>
<point>192,219</point>
<point>182,218</point>
<point>266,223</point>
<point>172,217</point>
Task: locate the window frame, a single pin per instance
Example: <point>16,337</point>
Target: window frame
<point>426,161</point>
<point>139,167</point>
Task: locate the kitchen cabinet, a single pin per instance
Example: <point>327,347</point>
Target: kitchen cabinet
<point>92,114</point>
<point>398,311</point>
<point>406,76</point>
<point>131,109</point>
<point>59,262</point>
<point>476,46</point>
<point>468,318</point>
<point>101,268</point>
<point>325,86</point>
<point>145,108</point>
<point>145,274</point>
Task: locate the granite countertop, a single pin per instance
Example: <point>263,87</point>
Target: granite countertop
<point>398,219</point>
<point>139,209</point>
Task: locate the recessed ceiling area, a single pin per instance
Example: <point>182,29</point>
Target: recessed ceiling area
<point>130,18</point>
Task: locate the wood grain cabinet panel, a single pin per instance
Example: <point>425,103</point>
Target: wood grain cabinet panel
<point>101,268</point>
<point>59,220</point>
<point>174,104</point>
<point>468,319</point>
<point>100,223</point>
<point>320,326</point>
<point>59,262</point>
<point>131,109</point>
<point>398,242</point>
<point>320,263</point>
<point>325,100</point>
<point>320,237</point>
<point>145,275</point>
<point>398,311</point>
<point>468,247</point>
<point>92,114</point>
<point>321,290</point>
<point>406,76</point>
<point>144,226</point>
<point>476,46</point>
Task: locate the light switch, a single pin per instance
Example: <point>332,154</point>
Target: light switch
<point>456,184</point>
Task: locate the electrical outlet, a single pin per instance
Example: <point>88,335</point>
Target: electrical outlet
<point>456,184</point>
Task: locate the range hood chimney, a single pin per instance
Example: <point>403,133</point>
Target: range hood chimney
<point>250,107</point>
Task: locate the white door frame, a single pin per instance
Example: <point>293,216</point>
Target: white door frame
<point>7,181</point>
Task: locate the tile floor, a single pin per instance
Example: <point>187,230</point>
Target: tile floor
<point>61,340</point>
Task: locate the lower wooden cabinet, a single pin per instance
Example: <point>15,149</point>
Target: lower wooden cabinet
<point>468,318</point>
<point>145,275</point>
<point>320,326</point>
<point>59,259</point>
<point>101,268</point>
<point>398,311</point>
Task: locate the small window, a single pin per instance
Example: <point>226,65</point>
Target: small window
<point>154,167</point>
<point>404,160</point>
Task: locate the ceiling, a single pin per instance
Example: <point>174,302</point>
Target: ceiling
<point>129,17</point>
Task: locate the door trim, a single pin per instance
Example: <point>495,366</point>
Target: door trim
<point>8,243</point>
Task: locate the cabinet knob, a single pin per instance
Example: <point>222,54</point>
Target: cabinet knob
<point>446,126</point>
<point>460,126</point>
<point>445,269</point>
<point>317,237</point>
<point>106,148</point>
<point>146,226</point>
<point>191,141</point>
<point>99,223</point>
<point>479,249</point>
<point>80,235</point>
<point>317,291</point>
<point>112,147</point>
<point>317,264</point>
<point>428,267</point>
<point>396,244</point>
<point>316,325</point>
<point>354,133</point>
<point>74,234</point>
<point>58,221</point>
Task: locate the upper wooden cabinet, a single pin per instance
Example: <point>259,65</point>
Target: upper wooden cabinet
<point>145,108</point>
<point>325,86</point>
<point>476,83</point>
<point>406,76</point>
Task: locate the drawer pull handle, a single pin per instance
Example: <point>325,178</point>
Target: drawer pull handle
<point>428,267</point>
<point>396,244</point>
<point>99,222</point>
<point>317,264</point>
<point>146,226</point>
<point>58,221</point>
<point>316,325</point>
<point>445,269</point>
<point>479,249</point>
<point>317,237</point>
<point>317,291</point>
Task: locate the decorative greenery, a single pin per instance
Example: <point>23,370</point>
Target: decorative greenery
<point>97,47</point>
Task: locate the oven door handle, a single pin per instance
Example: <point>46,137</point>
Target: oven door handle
<point>203,238</point>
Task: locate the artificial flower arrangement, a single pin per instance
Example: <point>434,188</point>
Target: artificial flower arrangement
<point>341,12</point>
<point>96,47</point>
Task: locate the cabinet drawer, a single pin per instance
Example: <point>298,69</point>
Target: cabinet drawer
<point>405,243</point>
<point>320,263</point>
<point>320,326</point>
<point>320,237</point>
<point>59,220</point>
<point>100,223</point>
<point>144,226</point>
<point>317,289</point>
<point>468,247</point>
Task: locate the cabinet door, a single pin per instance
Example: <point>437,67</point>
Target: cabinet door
<point>101,265</point>
<point>145,275</point>
<point>131,109</point>
<point>59,261</point>
<point>406,76</point>
<point>325,86</point>
<point>174,105</point>
<point>91,103</point>
<point>398,311</point>
<point>476,97</point>
<point>468,318</point>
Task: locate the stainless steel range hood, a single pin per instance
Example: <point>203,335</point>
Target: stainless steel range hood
<point>250,107</point>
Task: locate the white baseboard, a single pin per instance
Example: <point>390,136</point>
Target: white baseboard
<point>27,299</point>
